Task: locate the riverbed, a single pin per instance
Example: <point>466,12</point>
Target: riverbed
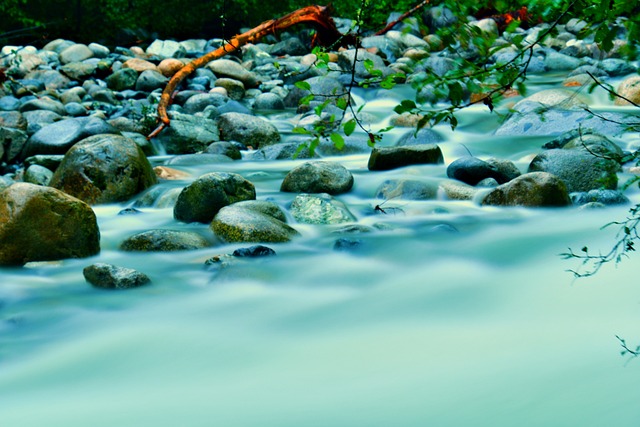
<point>447,314</point>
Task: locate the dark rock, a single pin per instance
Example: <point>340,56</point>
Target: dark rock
<point>12,142</point>
<point>536,189</point>
<point>249,130</point>
<point>579,169</point>
<point>472,170</point>
<point>201,200</point>
<point>129,211</point>
<point>109,276</point>
<point>291,46</point>
<point>318,177</point>
<point>254,252</point>
<point>41,224</point>
<point>387,158</point>
<point>164,241</point>
<point>124,78</point>
<point>104,169</point>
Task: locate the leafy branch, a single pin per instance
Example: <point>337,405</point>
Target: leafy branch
<point>626,237</point>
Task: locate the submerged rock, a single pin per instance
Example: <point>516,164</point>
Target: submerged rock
<point>109,276</point>
<point>42,224</point>
<point>320,209</point>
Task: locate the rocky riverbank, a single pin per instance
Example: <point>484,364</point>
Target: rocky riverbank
<point>74,120</point>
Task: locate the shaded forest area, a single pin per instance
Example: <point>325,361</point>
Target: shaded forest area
<point>127,22</point>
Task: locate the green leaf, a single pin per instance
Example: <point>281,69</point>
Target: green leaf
<point>455,93</point>
<point>302,85</point>
<point>349,127</point>
<point>301,130</point>
<point>306,100</point>
<point>341,103</point>
<point>337,140</point>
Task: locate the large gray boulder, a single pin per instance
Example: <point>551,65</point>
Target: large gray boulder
<point>318,177</point>
<point>579,169</point>
<point>104,169</point>
<point>201,200</point>
<point>42,224</point>
<point>249,130</point>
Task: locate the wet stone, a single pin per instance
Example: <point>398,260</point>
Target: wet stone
<point>318,177</point>
<point>109,276</point>
<point>387,158</point>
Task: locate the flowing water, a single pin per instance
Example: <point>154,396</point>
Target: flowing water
<point>423,326</point>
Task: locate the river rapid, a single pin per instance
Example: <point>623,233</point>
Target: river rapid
<point>449,314</point>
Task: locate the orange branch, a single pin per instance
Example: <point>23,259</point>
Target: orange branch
<point>315,15</point>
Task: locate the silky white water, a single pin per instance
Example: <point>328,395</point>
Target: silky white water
<point>423,326</point>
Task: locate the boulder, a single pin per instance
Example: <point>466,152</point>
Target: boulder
<point>386,158</point>
<point>318,177</point>
<point>535,189</point>
<point>472,170</point>
<point>579,169</point>
<point>629,88</point>
<point>104,169</point>
<point>252,221</point>
<point>249,130</point>
<point>41,224</point>
<point>201,200</point>
<point>109,276</point>
<point>231,69</point>
<point>188,134</point>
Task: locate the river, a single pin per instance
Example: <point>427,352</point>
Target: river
<point>449,314</point>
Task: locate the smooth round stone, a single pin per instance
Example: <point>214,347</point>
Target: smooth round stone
<point>318,177</point>
<point>164,241</point>
<point>75,53</point>
<point>268,101</point>
<point>109,276</point>
<point>9,103</point>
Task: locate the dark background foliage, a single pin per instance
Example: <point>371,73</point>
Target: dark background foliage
<point>125,22</point>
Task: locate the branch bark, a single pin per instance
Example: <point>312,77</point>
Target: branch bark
<point>318,16</point>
